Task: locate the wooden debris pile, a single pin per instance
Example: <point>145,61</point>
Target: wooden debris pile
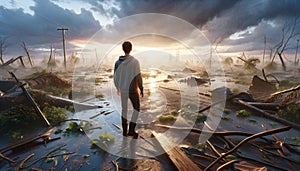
<point>224,151</point>
<point>242,150</point>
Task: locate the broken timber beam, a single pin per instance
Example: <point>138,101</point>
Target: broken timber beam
<point>27,141</point>
<point>177,156</point>
<point>12,60</point>
<point>31,100</point>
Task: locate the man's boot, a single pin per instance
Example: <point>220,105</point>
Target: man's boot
<point>125,127</point>
<point>132,131</point>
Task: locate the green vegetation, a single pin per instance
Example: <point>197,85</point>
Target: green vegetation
<point>24,115</point>
<point>55,115</point>
<point>165,118</point>
<point>201,117</point>
<point>230,156</point>
<point>227,111</point>
<point>235,90</point>
<point>202,147</point>
<point>190,113</point>
<point>174,112</point>
<point>100,80</point>
<point>75,128</point>
<point>226,118</point>
<point>100,95</point>
<point>105,140</point>
<point>17,120</point>
<point>252,120</point>
<point>55,91</point>
<point>171,116</point>
<point>293,140</point>
<point>290,112</point>
<point>242,113</point>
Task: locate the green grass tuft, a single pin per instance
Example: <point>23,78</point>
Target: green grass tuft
<point>226,118</point>
<point>242,113</point>
<point>165,118</point>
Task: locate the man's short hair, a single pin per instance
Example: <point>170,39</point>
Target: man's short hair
<point>127,46</point>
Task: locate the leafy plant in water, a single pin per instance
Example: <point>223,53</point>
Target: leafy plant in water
<point>230,156</point>
<point>189,112</point>
<point>174,112</point>
<point>165,118</point>
<point>75,128</point>
<point>105,140</point>
<point>226,118</point>
<point>100,96</point>
<point>252,120</point>
<point>226,111</point>
<point>202,147</point>
<point>242,113</point>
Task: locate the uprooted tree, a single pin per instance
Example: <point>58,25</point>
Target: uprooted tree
<point>287,33</point>
<point>3,46</point>
<point>249,63</point>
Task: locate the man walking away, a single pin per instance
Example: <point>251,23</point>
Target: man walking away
<point>127,79</point>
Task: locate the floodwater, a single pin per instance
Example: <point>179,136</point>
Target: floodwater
<point>74,151</point>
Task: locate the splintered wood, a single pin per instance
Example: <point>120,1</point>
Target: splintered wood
<point>177,156</point>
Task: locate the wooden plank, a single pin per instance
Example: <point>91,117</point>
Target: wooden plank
<point>177,156</point>
<point>27,141</point>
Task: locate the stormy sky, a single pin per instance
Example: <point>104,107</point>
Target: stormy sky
<point>235,25</point>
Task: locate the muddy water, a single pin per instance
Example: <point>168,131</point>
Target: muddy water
<point>155,102</point>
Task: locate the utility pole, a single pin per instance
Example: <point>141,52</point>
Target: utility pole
<point>64,44</point>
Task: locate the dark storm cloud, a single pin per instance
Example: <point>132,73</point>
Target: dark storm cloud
<point>41,27</point>
<point>98,6</point>
<point>250,13</point>
<point>197,12</point>
<point>218,17</point>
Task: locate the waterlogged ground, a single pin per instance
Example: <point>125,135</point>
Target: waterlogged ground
<point>92,139</point>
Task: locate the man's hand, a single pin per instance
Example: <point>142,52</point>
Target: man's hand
<point>119,93</point>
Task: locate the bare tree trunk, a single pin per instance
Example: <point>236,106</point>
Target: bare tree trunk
<point>282,62</point>
<point>265,43</point>
<point>3,46</point>
<point>296,52</point>
<point>1,52</point>
<point>27,53</point>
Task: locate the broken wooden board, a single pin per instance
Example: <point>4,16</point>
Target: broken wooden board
<point>178,157</point>
<point>27,141</point>
<point>260,89</point>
